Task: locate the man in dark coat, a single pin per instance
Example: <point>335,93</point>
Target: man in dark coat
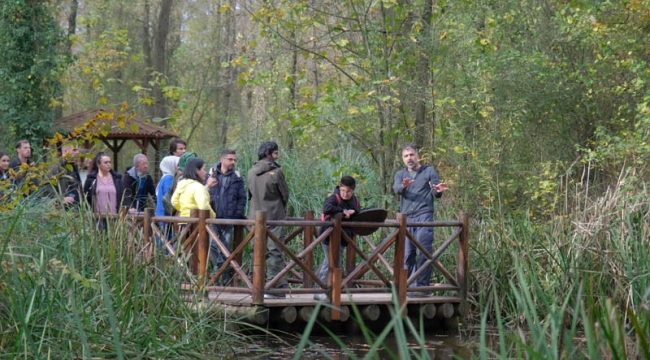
<point>138,184</point>
<point>228,200</point>
<point>23,155</point>
<point>66,171</point>
<point>268,191</point>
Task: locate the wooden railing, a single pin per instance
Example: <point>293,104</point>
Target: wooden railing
<point>380,269</point>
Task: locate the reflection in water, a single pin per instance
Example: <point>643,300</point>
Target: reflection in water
<point>458,345</point>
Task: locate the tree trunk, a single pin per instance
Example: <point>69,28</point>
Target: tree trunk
<point>146,47</point>
<point>423,75</point>
<point>160,58</point>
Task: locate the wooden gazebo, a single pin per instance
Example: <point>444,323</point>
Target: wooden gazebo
<point>114,131</point>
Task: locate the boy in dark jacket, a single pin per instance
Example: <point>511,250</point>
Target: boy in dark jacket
<point>228,200</point>
<point>342,201</point>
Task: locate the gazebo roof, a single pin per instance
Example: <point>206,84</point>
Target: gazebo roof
<point>114,135</point>
<point>134,128</point>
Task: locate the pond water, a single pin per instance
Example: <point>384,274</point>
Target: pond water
<point>463,344</point>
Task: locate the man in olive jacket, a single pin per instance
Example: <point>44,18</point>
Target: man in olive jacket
<point>268,191</point>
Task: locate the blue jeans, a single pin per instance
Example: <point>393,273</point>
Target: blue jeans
<point>325,266</point>
<point>424,235</point>
<point>167,230</point>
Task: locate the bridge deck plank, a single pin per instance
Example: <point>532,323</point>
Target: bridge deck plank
<point>307,299</point>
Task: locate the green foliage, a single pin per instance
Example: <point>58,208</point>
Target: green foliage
<point>29,62</point>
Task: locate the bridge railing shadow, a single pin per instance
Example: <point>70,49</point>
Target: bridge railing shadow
<point>373,263</point>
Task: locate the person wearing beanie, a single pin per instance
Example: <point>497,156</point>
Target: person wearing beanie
<point>184,159</point>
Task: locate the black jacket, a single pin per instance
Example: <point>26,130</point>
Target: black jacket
<point>90,188</point>
<point>131,189</point>
<point>233,204</point>
<point>335,204</point>
<point>68,180</point>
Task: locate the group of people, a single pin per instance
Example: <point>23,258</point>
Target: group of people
<point>187,184</point>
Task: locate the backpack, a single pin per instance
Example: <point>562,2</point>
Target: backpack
<point>170,210</point>
<point>324,217</point>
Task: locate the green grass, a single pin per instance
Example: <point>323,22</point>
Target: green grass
<point>69,292</point>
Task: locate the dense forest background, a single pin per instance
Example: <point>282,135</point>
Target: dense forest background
<point>505,98</point>
<point>514,102</point>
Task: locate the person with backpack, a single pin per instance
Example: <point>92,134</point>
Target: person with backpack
<point>342,201</point>
<point>228,200</point>
<point>168,168</point>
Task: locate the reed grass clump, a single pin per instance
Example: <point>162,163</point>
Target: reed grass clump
<point>574,286</point>
<point>70,291</point>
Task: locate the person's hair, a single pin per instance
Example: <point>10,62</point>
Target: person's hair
<point>348,181</point>
<point>97,160</point>
<point>138,157</point>
<point>226,152</point>
<point>20,143</point>
<point>174,144</point>
<point>410,147</point>
<point>2,154</point>
<point>192,168</point>
<point>267,148</point>
<point>81,159</point>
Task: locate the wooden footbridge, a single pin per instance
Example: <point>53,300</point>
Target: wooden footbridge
<point>371,285</point>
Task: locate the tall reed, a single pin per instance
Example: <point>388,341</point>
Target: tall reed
<point>69,291</point>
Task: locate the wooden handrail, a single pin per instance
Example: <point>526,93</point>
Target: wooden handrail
<point>303,258</point>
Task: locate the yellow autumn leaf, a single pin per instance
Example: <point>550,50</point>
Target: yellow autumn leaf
<point>353,111</point>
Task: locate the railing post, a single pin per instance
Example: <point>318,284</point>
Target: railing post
<point>203,246</point>
<point>147,233</point>
<point>237,238</point>
<point>399,272</point>
<point>259,258</point>
<point>193,263</point>
<point>308,238</point>
<point>463,256</point>
<point>335,273</point>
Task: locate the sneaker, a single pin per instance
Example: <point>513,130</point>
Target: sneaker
<point>414,294</point>
<point>277,296</point>
<point>320,297</point>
